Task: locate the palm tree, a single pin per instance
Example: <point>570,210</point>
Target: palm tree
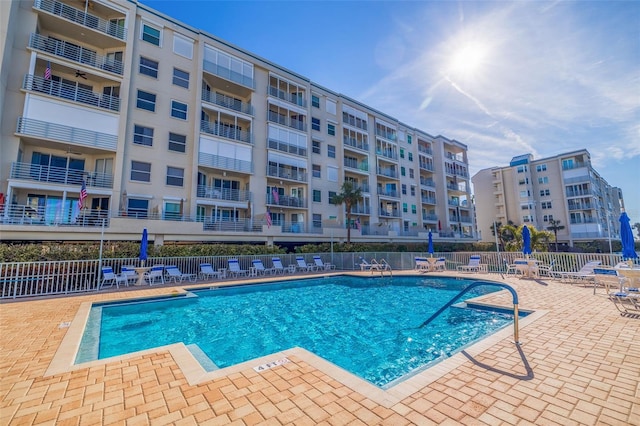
<point>349,196</point>
<point>554,225</point>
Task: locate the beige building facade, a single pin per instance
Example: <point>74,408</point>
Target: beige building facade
<point>564,189</point>
<point>174,130</point>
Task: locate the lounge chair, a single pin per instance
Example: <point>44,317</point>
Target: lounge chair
<point>320,265</point>
<point>207,271</point>
<point>260,269</point>
<point>380,266</point>
<point>607,278</point>
<point>302,265</point>
<point>174,274</point>
<point>234,268</point>
<point>626,303</point>
<point>364,265</point>
<point>473,266</point>
<point>584,275</point>
<point>547,270</point>
<point>130,273</point>
<point>111,278</point>
<point>156,273</point>
<point>278,268</point>
<point>440,264</point>
<point>422,264</point>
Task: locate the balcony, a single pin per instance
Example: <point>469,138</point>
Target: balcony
<point>428,200</point>
<point>361,209</point>
<point>388,193</point>
<point>362,166</point>
<point>241,225</point>
<point>70,92</point>
<point>287,147</point>
<point>67,134</point>
<point>387,153</point>
<point>60,175</point>
<point>224,163</point>
<point>80,17</point>
<point>286,172</point>
<point>75,53</point>
<point>574,165</point>
<point>227,102</point>
<point>226,131</point>
<point>224,194</point>
<point>284,120</point>
<point>293,98</point>
<point>27,215</point>
<point>425,150</point>
<point>354,143</point>
<point>426,166</point>
<point>383,171</point>
<point>228,74</point>
<point>287,201</point>
<point>427,182</point>
<point>386,213</point>
<point>430,217</point>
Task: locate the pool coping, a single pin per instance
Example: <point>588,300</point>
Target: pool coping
<point>64,359</point>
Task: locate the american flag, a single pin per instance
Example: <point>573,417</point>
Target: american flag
<point>276,196</point>
<point>83,195</point>
<point>268,218</point>
<point>47,71</point>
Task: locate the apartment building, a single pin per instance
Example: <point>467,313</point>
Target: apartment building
<point>118,118</point>
<point>564,188</point>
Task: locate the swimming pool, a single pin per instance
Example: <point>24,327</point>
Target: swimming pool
<point>368,326</point>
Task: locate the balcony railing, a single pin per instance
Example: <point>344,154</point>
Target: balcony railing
<point>28,215</point>
<point>49,174</point>
<point>430,217</point>
<point>80,17</point>
<point>392,213</point>
<point>293,98</point>
<point>228,74</point>
<point>574,165</point>
<point>353,142</point>
<point>387,172</point>
<point>61,133</point>
<point>358,165</point>
<point>428,200</point>
<point>226,131</point>
<point>287,201</point>
<point>287,147</point>
<point>387,135</point>
<point>225,194</point>
<point>425,150</point>
<point>75,53</point>
<point>242,225</point>
<point>426,166</point>
<point>360,209</point>
<point>224,163</point>
<point>284,120</point>
<point>427,182</point>
<point>70,92</point>
<point>387,153</point>
<point>227,102</point>
<point>388,192</point>
<point>286,173</point>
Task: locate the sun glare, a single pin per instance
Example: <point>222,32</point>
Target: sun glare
<point>468,60</point>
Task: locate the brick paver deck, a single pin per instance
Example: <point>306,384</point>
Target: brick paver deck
<point>578,364</point>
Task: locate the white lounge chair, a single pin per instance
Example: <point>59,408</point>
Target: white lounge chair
<point>422,264</point>
<point>156,273</point>
<point>260,269</point>
<point>207,271</point>
<point>584,275</point>
<point>174,274</point>
<point>473,266</point>
<point>302,265</point>
<point>278,268</point>
<point>321,265</point>
<point>111,278</point>
<point>130,273</point>
<point>440,265</point>
<point>607,278</point>
<point>364,265</point>
<point>234,268</point>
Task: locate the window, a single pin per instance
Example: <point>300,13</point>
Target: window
<point>175,176</point>
<point>546,204</point>
<point>543,179</point>
<point>181,78</point>
<point>331,151</point>
<point>179,110</point>
<point>411,175</point>
<point>404,208</point>
<point>177,142</point>
<point>410,156</point>
<point>522,169</point>
<point>413,190</point>
<point>331,129</point>
<point>317,220</point>
<point>413,209</point>
<point>315,146</point>
<point>148,67</point>
<point>524,194</point>
<point>140,171</point>
<point>146,101</point>
<point>409,140</point>
<point>332,195</point>
<point>548,217</point>
<point>315,123</point>
<point>316,170</point>
<point>541,167</point>
<point>332,174</point>
<point>317,195</point>
<point>315,101</point>
<point>527,218</point>
<point>183,46</point>
<point>137,208</point>
<point>544,193</point>
<point>403,172</point>
<point>404,189</point>
<point>331,106</point>
<point>401,152</point>
<point>150,34</point>
<point>142,135</point>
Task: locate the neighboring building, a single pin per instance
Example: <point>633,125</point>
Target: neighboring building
<point>175,130</point>
<point>564,188</point>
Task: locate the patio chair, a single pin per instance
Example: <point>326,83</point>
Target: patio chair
<point>260,269</point>
<point>207,271</point>
<point>111,278</point>
<point>440,265</point>
<point>473,266</point>
<point>546,270</point>
<point>584,275</point>
<point>422,264</point>
<point>156,273</point>
<point>321,265</point>
<point>364,265</point>
<point>607,278</point>
<point>130,273</point>
<point>302,265</point>
<point>278,268</point>
<point>174,274</point>
<point>234,268</point>
<point>626,303</point>
<point>380,266</point>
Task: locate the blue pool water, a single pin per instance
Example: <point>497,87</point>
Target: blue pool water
<point>368,326</point>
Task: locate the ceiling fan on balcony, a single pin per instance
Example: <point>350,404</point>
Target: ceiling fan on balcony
<point>72,152</point>
<point>81,74</point>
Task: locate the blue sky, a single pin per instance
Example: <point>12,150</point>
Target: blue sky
<point>505,78</point>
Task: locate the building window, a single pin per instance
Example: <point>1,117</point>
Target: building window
<point>413,191</point>
<point>401,152</point>
<point>150,34</point>
<point>413,209</point>
<point>522,169</point>
<point>148,67</point>
<point>331,151</point>
<point>411,175</point>
<point>410,156</point>
<point>331,129</point>
<point>142,135</point>
<point>404,208</point>
<point>181,78</point>
<point>177,142</point>
<point>315,123</point>
<point>140,171</point>
<point>179,110</point>
<point>404,189</point>
<point>315,101</point>
<point>183,46</point>
<point>403,171</point>
<point>317,220</point>
<point>316,170</point>
<point>317,195</point>
<point>315,147</point>
<point>545,193</point>
<point>541,167</point>
<point>543,180</point>
<point>332,195</point>
<point>546,204</point>
<point>175,176</point>
<point>146,101</point>
<point>137,208</point>
<point>409,140</point>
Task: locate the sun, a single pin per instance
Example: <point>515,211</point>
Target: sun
<point>468,60</point>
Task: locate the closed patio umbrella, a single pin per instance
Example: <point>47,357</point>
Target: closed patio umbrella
<point>626,236</point>
<point>526,240</point>
<point>430,244</point>
<point>143,246</point>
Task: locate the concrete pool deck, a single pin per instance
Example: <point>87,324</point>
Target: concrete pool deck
<point>578,363</point>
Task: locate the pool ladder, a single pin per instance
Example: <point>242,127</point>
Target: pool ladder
<point>382,266</point>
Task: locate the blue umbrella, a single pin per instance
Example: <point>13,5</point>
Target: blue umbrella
<point>626,236</point>
<point>526,240</point>
<point>430,243</point>
<point>143,246</point>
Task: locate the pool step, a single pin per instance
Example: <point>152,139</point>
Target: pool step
<point>202,358</point>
